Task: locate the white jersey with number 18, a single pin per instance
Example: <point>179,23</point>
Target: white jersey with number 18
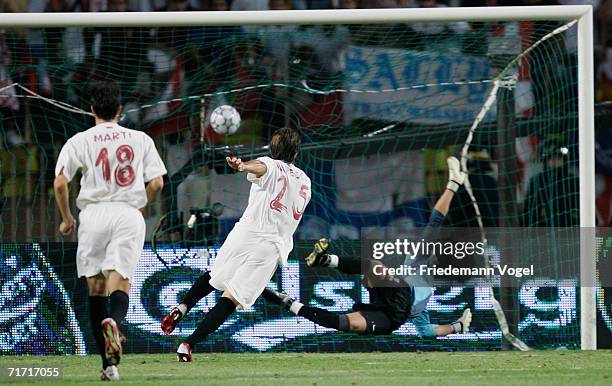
<point>116,163</point>
<point>276,203</point>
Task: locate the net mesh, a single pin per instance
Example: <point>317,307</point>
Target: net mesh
<point>379,107</point>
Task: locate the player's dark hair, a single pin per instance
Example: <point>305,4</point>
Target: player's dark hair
<point>285,144</point>
<point>105,99</point>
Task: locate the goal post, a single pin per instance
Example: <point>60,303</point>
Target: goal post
<point>586,140</point>
<point>585,101</point>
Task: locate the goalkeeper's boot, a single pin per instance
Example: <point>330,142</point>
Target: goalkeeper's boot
<point>462,325</point>
<point>170,321</point>
<point>111,373</point>
<point>319,256</point>
<point>112,341</point>
<point>277,297</point>
<point>183,353</point>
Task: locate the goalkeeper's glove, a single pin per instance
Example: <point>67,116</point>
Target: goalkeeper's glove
<point>462,325</point>
<point>455,175</point>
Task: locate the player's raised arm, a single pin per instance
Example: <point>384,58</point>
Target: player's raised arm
<point>255,167</point>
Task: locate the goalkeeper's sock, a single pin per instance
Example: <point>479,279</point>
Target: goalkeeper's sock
<point>119,302</point>
<point>324,318</point>
<point>457,327</point>
<point>332,261</point>
<point>213,320</point>
<point>97,313</point>
<point>348,265</point>
<point>198,290</point>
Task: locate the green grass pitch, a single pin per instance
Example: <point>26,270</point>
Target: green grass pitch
<point>430,368</point>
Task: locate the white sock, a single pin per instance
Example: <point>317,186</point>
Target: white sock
<point>183,308</point>
<point>182,349</point>
<point>296,307</point>
<point>333,261</point>
<point>457,327</point>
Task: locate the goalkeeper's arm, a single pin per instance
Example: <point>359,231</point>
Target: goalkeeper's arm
<point>455,179</point>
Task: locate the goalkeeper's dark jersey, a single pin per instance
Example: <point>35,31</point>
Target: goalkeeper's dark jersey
<point>406,302</point>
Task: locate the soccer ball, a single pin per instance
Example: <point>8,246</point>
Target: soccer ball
<point>225,120</point>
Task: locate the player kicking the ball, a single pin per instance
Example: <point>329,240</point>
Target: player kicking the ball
<point>390,306</point>
<point>262,239</point>
<point>121,172</point>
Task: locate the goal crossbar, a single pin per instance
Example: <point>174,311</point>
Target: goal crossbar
<point>340,16</point>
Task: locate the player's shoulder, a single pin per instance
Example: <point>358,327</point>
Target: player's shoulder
<point>302,173</point>
<point>76,139</point>
<point>135,133</point>
<point>138,135</point>
<point>266,159</point>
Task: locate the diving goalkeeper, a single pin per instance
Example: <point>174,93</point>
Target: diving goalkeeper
<point>389,307</point>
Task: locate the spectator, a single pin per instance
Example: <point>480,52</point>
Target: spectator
<point>277,40</point>
<point>8,98</point>
<point>7,6</point>
<point>122,50</point>
<point>264,5</point>
<point>348,4</point>
<point>309,110</point>
<point>604,78</point>
<point>438,28</point>
<point>385,35</point>
<point>485,189</point>
<point>552,195</point>
<point>250,5</point>
<point>379,3</point>
<point>328,41</point>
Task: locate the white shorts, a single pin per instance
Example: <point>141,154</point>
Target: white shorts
<point>244,265</point>
<point>111,237</point>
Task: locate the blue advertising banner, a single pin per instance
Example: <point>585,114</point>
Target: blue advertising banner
<point>43,308</point>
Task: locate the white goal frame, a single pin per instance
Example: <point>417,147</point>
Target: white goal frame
<point>586,123</point>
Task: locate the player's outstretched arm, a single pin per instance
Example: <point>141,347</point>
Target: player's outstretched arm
<point>255,167</point>
<point>60,187</point>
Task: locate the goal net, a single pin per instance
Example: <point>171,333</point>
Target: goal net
<point>379,106</point>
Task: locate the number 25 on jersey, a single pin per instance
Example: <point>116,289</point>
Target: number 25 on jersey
<point>277,205</point>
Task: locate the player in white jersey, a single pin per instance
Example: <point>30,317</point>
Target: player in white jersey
<point>121,172</point>
<point>260,241</point>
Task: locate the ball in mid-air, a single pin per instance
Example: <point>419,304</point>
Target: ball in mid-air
<point>225,120</point>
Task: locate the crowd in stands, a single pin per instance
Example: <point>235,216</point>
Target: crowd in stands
<point>168,63</point>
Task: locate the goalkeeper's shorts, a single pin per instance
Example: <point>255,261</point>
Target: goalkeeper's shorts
<point>111,237</point>
<point>388,310</point>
